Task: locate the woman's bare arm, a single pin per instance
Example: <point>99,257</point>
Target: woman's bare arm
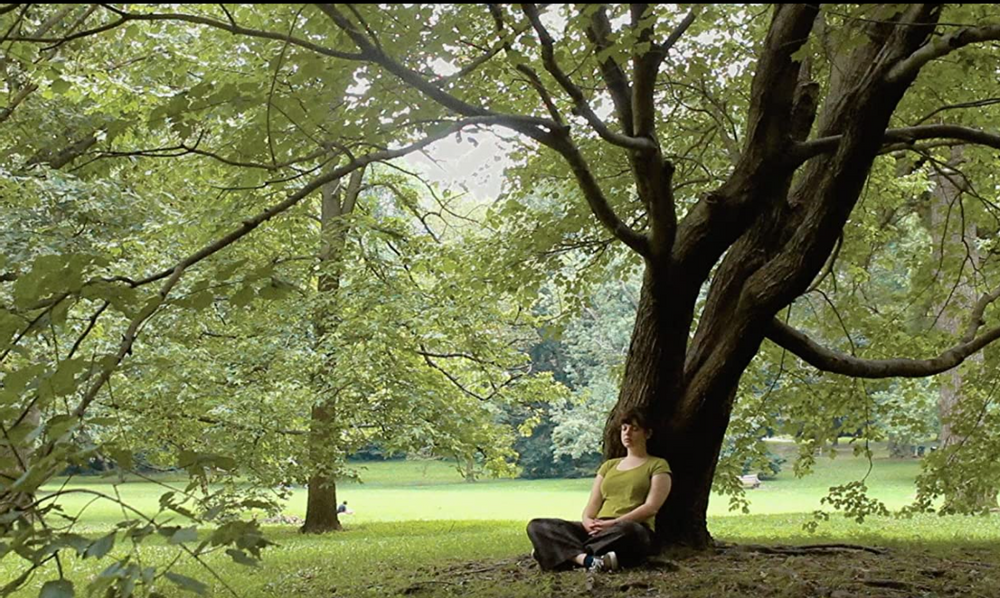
<point>594,503</point>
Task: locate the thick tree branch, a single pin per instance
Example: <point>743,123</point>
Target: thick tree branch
<point>369,52</point>
<point>231,27</point>
<point>678,32</point>
<point>580,103</point>
<point>66,155</point>
<point>781,252</point>
<point>904,135</point>
<point>645,67</point>
<point>556,137</point>
<point>976,317</point>
<point>18,97</point>
<point>652,174</point>
<point>599,33</point>
<point>719,218</point>
<point>836,362</point>
<point>533,78</point>
<point>596,199</point>
<point>941,46</point>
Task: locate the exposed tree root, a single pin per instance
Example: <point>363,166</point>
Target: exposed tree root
<point>806,549</point>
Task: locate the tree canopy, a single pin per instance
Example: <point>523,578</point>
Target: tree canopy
<point>209,224</point>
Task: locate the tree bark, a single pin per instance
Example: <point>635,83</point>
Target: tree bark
<point>776,232</point>
<point>321,501</point>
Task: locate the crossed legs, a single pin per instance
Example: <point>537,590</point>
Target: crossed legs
<point>559,543</point>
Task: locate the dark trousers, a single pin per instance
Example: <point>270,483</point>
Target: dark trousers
<point>557,542</point>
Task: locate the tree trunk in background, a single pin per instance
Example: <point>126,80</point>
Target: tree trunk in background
<point>956,241</point>
<point>321,502</point>
<point>470,470</point>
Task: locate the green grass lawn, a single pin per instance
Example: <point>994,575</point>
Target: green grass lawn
<point>434,490</point>
<point>410,515</point>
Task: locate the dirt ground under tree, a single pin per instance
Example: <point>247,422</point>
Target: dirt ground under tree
<point>828,571</point>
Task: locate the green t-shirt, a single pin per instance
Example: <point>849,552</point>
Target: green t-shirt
<point>623,491</point>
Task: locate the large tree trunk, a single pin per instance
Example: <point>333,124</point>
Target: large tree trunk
<point>687,431</point>
<point>321,502</point>
<point>776,228</point>
<point>654,370</point>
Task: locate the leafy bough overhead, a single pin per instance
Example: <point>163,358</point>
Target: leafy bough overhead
<point>735,152</point>
<point>99,208</point>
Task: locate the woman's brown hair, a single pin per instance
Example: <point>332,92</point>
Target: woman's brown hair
<point>633,416</point>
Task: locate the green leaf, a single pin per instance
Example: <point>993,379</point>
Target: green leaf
<point>122,457</point>
<point>225,272</point>
<point>277,289</point>
<point>63,381</point>
<point>214,512</point>
<point>60,86</point>
<point>241,557</point>
<point>186,583</point>
<point>30,480</point>
<point>60,588</point>
<point>76,542</point>
<point>9,325</point>
<point>186,534</point>
<point>243,296</point>
<point>101,547</point>
<point>60,425</point>
<point>805,50</point>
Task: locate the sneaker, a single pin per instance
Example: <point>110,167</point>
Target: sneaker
<point>604,563</point>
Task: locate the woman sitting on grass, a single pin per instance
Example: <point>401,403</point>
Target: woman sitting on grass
<point>618,521</point>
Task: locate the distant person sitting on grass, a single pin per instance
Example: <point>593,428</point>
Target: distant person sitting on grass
<point>618,521</point>
<point>343,510</point>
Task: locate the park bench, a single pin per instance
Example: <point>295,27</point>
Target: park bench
<point>750,481</point>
